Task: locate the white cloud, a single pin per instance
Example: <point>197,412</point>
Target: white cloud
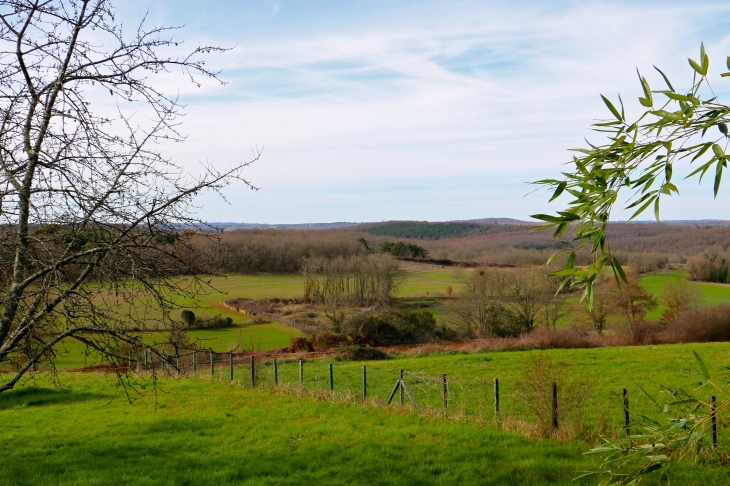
<point>486,91</point>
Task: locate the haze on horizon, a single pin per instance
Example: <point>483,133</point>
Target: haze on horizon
<point>404,110</point>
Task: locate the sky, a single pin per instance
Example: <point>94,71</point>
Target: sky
<point>421,110</point>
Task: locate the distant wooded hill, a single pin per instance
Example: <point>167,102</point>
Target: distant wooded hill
<point>436,231</point>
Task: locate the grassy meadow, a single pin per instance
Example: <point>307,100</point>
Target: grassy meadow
<point>205,431</point>
<point>420,281</point>
<point>202,429</point>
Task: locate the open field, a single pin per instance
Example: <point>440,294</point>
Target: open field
<point>203,431</point>
<point>254,337</point>
<point>421,282</point>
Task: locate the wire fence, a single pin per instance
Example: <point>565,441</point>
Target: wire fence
<point>540,407</point>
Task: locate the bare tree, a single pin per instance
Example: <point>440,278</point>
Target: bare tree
<point>632,302</point>
<point>92,213</point>
<point>600,311</point>
<point>525,293</point>
<point>478,309</point>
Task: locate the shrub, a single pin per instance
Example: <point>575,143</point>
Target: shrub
<point>299,344</point>
<point>709,324</point>
<point>398,327</point>
<point>188,317</point>
<point>534,391</point>
<point>328,340</point>
<point>360,353</point>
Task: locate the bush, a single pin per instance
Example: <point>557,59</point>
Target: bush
<point>188,317</point>
<point>360,353</point>
<point>710,324</point>
<point>299,344</point>
<point>216,322</point>
<point>398,327</point>
<point>328,340</point>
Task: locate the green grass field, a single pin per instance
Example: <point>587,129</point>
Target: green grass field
<point>417,284</point>
<point>203,431</point>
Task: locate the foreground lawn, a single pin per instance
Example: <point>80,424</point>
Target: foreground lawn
<point>205,432</point>
<point>210,432</point>
<point>199,430</point>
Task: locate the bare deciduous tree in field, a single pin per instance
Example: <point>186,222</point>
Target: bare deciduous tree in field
<point>91,211</point>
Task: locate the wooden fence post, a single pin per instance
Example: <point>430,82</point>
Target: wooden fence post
<point>713,424</point>
<point>496,398</point>
<point>146,359</point>
<point>129,363</point>
<point>444,392</point>
<point>555,406</point>
<point>402,401</point>
<point>195,361</point>
<point>253,372</point>
<point>626,413</point>
<point>230,365</point>
<point>212,364</point>
<point>332,379</point>
<point>301,372</point>
<point>364,382</point>
<point>276,373</point>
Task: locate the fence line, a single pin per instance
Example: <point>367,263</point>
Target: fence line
<point>453,395</point>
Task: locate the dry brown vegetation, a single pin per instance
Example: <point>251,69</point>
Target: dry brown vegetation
<point>645,247</point>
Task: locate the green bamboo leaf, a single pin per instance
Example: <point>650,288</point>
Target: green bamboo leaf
<point>718,151</point>
<point>618,269</point>
<point>703,368</point>
<point>723,128</point>
<point>718,176</point>
<point>650,398</point>
<point>728,62</point>
<point>676,96</point>
<point>612,108</point>
<point>697,67</point>
<point>571,261</point>
<point>559,190</point>
<point>642,208</point>
<point>704,58</point>
<point>656,209</point>
<point>548,218</point>
<point>666,80</point>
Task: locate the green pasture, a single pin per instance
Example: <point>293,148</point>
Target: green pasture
<point>599,375</point>
<point>708,293</point>
<point>417,285</point>
<point>271,335</point>
<point>213,431</point>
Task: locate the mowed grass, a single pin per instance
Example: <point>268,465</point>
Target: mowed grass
<point>207,432</point>
<point>212,431</point>
<point>598,374</point>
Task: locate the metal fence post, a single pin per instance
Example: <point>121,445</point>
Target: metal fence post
<point>332,379</point>
<point>195,361</point>
<point>276,373</point>
<point>230,364</point>
<point>402,401</point>
<point>444,392</point>
<point>301,372</point>
<point>626,412</point>
<point>713,423</point>
<point>496,398</point>
<point>364,382</point>
<point>253,372</point>
<point>555,406</point>
<point>212,364</point>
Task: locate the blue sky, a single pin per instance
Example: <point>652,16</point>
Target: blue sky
<point>379,110</point>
